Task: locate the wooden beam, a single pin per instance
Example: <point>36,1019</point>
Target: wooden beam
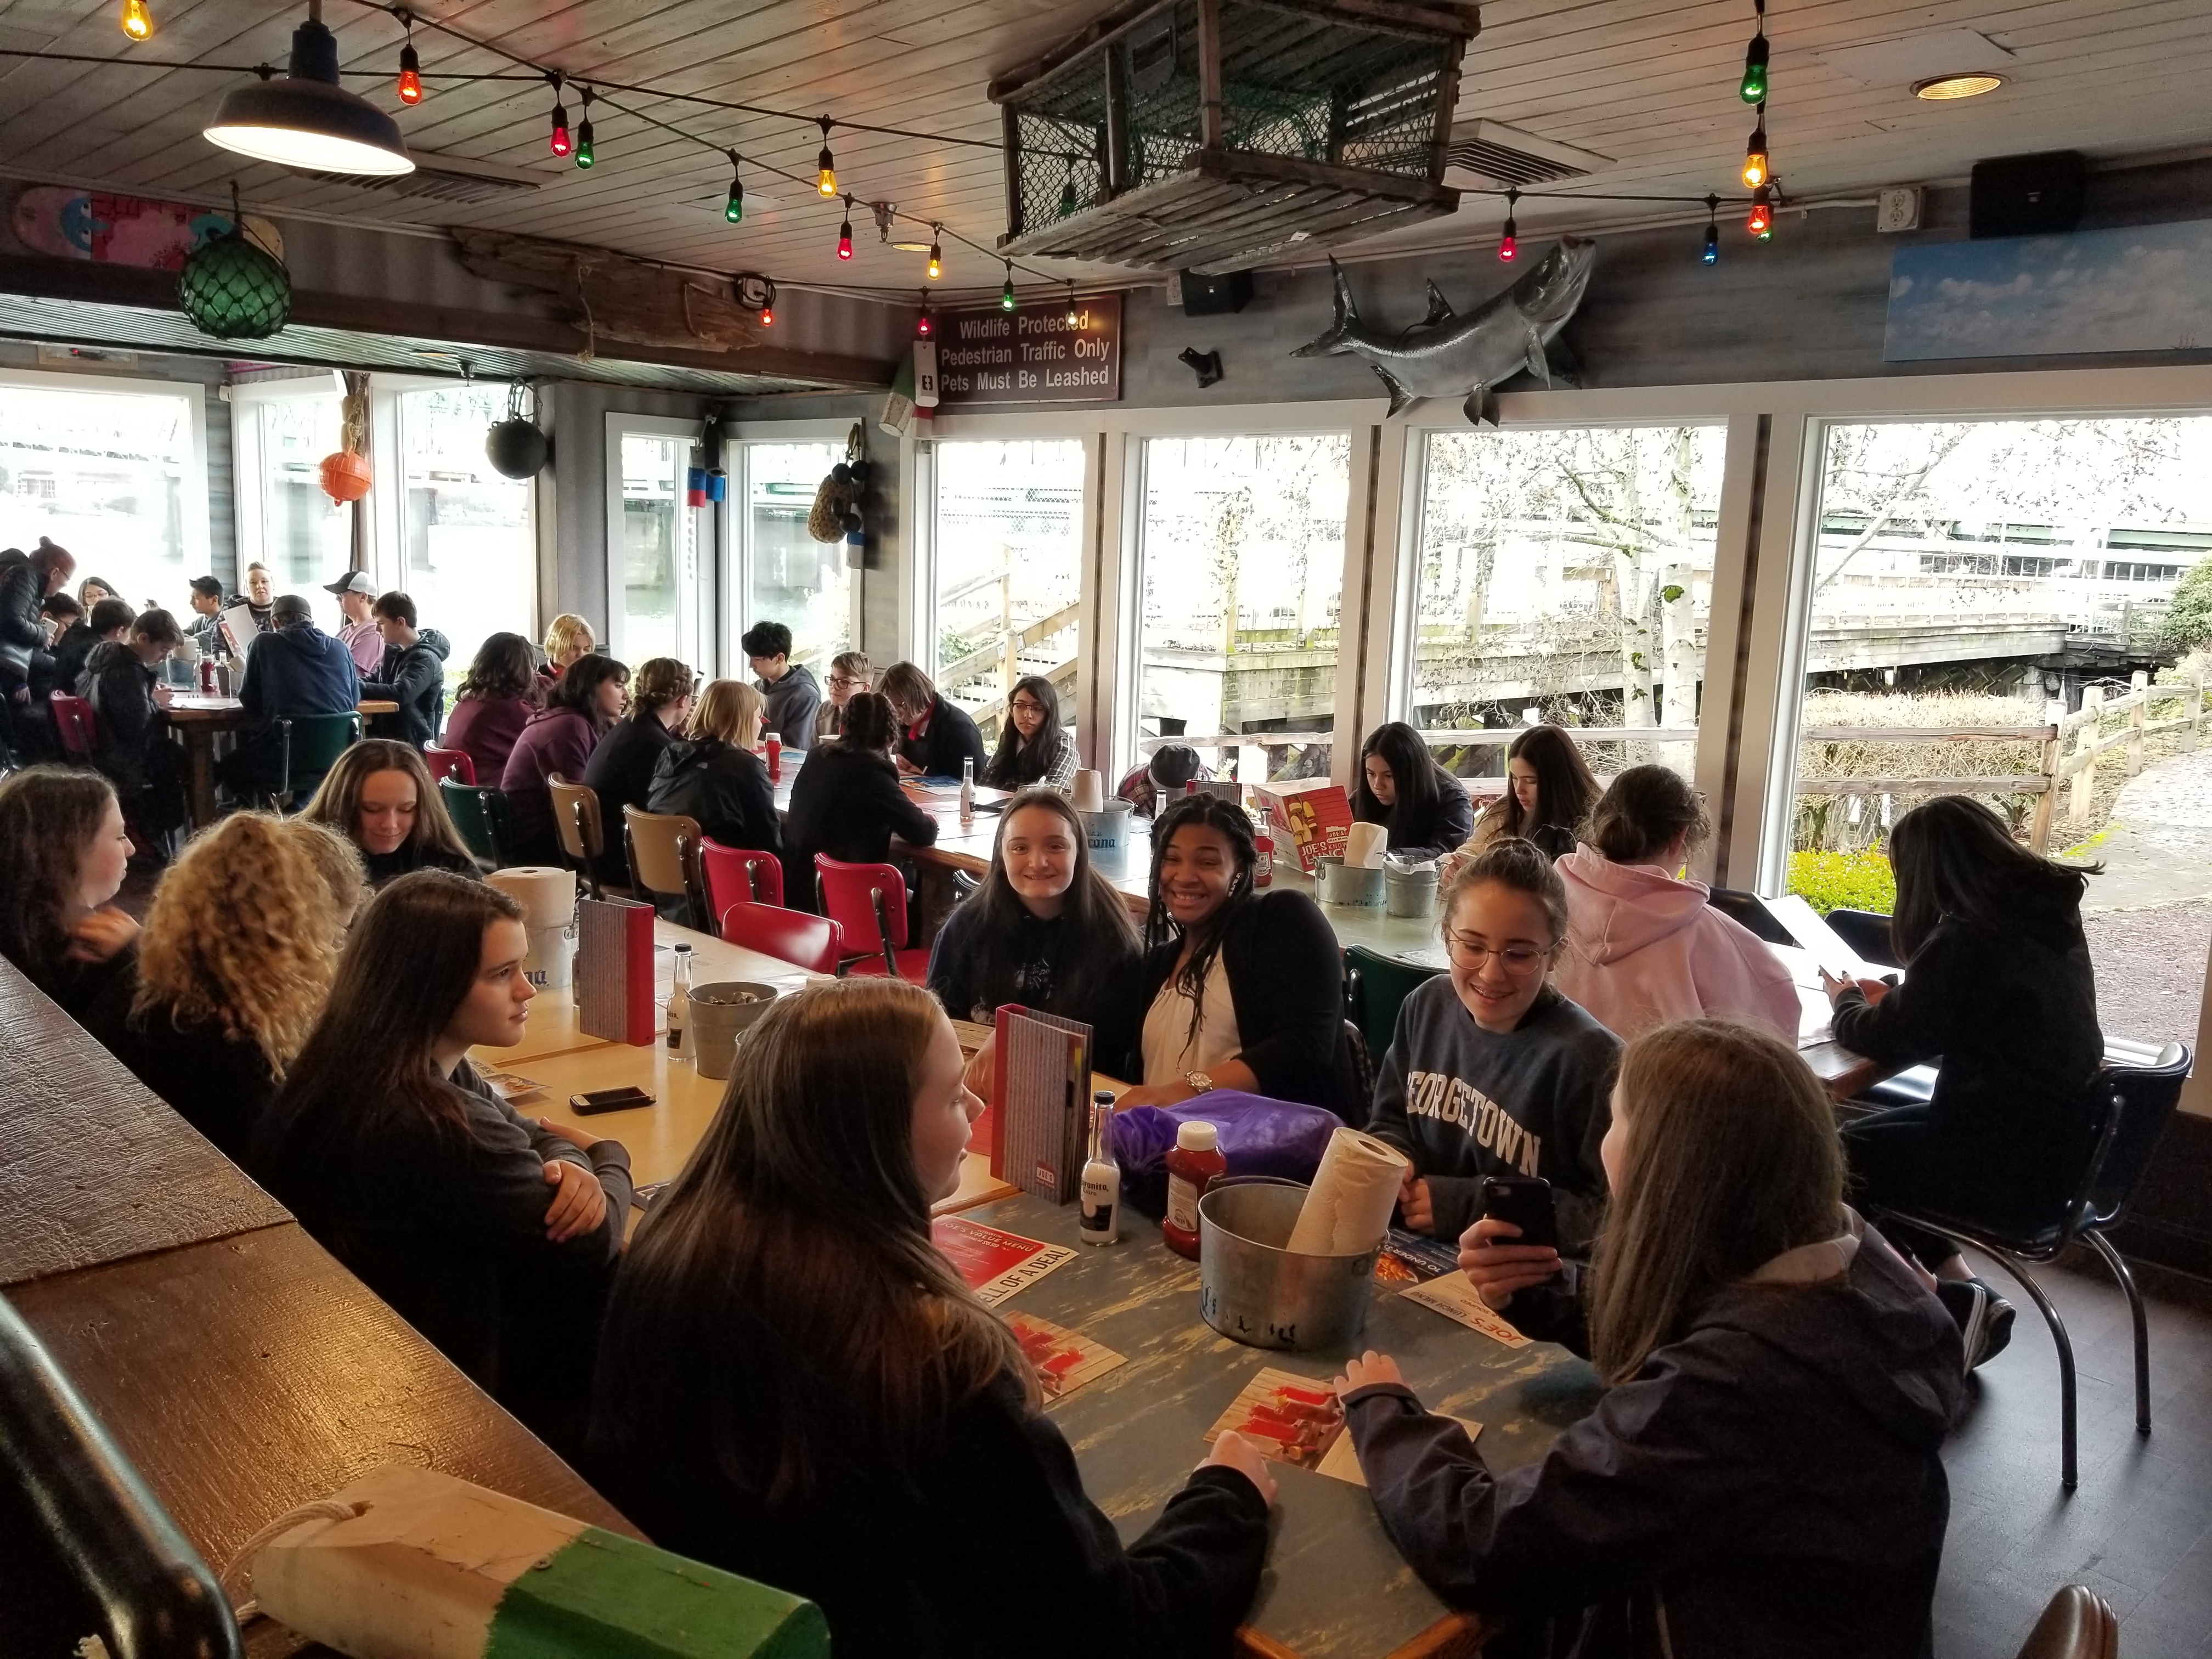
<point>1210,126</point>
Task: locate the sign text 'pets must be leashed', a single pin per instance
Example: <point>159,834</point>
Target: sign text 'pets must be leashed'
<point>1031,354</point>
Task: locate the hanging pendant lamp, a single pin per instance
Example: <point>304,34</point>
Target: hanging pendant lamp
<point>307,120</point>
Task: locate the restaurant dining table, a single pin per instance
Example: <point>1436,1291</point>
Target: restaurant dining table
<point>196,718</point>
<point>1335,1587</point>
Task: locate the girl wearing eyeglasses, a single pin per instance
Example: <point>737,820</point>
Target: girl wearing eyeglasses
<point>1492,1071</point>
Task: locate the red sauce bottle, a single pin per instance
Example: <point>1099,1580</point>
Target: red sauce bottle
<point>1194,1165</point>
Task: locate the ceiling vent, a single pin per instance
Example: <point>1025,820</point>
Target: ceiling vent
<point>442,179</point>
<point>1491,153</point>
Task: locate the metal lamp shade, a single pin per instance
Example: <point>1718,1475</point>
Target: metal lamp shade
<point>235,290</point>
<point>301,122</point>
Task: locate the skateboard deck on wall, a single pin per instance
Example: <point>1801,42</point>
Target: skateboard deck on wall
<point>123,230</point>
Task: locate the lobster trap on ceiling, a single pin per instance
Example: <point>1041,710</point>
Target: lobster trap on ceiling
<point>1208,135</point>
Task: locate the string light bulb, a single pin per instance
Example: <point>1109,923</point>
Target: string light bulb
<point>845,232</point>
<point>411,71</point>
<point>1509,243</point>
<point>1006,294</point>
<point>1755,167</point>
<point>1711,255</point>
<point>924,327</point>
<point>734,209</point>
<point>585,155</point>
<point>1753,87</point>
<point>936,254</point>
<point>137,21</point>
<point>825,164</point>
<point>1074,311</point>
<point>1761,221</point>
<point>557,140</point>
<point>767,317</point>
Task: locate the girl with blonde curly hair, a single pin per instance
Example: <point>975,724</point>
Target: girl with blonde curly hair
<point>234,963</point>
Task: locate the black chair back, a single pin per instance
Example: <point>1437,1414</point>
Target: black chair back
<point>1750,910</point>
<point>2149,1095</point>
<point>1867,931</point>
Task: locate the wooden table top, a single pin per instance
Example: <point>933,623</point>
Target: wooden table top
<point>196,708</point>
<point>1335,1587</point>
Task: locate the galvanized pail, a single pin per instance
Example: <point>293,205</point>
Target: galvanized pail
<point>1255,1291</point>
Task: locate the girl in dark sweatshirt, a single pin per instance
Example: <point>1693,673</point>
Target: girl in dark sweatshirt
<point>1492,1072</point>
<point>797,1386</point>
<point>1997,983</point>
<point>1400,785</point>
<point>63,852</point>
<point>1764,1476</point>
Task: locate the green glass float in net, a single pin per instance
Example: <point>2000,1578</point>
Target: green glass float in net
<point>233,290</point>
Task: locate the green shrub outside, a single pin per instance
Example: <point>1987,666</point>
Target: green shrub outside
<point>1844,881</point>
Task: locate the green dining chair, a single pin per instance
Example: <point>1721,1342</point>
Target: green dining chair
<point>479,812</point>
<point>1374,986</point>
<point>308,746</point>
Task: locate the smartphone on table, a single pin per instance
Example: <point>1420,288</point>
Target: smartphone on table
<point>609,1100</point>
<point>1526,1201</point>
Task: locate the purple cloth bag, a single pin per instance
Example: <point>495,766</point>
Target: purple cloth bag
<point>1260,1136</point>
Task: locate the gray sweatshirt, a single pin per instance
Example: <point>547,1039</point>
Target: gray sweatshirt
<point>1463,1103</point>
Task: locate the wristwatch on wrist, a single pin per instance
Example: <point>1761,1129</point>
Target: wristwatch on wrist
<point>1200,1081</point>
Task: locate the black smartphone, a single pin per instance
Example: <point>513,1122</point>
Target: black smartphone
<point>1526,1201</point>
<point>609,1100</point>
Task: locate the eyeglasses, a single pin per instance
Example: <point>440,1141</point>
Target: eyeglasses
<point>1026,706</point>
<point>1518,960</point>
<point>845,679</point>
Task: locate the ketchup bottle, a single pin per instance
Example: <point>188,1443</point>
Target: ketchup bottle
<point>774,758</point>
<point>1194,1165</point>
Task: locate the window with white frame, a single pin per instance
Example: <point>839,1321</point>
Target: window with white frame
<point>657,577</point>
<point>1565,575</point>
<point>1242,540</point>
<point>285,520</point>
<point>468,555</point>
<point>114,473</point>
<point>809,586</point>
<point>1007,529</point>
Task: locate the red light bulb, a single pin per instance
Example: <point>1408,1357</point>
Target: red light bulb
<point>411,77</point>
<point>767,318</point>
<point>558,140</point>
<point>1509,247</point>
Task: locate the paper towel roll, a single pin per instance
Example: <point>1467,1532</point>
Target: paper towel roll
<point>547,895</point>
<point>1090,795</point>
<point>1348,1210</point>
<point>1365,845</point>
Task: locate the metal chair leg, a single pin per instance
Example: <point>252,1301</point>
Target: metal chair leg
<point>2069,1470</point>
<point>2112,1259</point>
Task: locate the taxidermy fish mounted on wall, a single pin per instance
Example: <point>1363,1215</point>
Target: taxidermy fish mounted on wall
<point>1448,355</point>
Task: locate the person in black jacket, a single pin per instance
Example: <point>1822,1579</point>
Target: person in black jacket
<point>413,674</point>
<point>63,852</point>
<point>380,797</point>
<point>1998,983</point>
<point>1549,792</point>
<point>621,762</point>
<point>711,775</point>
<point>1400,785</point>
<point>27,665</point>
<point>293,669</point>
<point>238,953</point>
<point>847,802</point>
<point>1236,989</point>
<point>938,737</point>
<point>493,1235</point>
<point>109,622</point>
<point>120,681</point>
<point>1763,1474</point>
<point>796,1385</point>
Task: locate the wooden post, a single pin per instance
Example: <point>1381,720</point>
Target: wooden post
<point>2039,835</point>
<point>1010,138</point>
<point>2196,715</point>
<point>1210,114</point>
<point>2139,689</point>
<point>1117,123</point>
<point>2085,751</point>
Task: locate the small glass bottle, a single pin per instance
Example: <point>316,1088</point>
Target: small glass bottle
<point>967,789</point>
<point>1195,1163</point>
<point>1100,1220</point>
<point>679,1006</point>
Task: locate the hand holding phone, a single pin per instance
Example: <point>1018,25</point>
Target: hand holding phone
<point>1526,1201</point>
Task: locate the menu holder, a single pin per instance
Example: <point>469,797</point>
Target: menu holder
<point>614,970</point>
<point>1039,1103</point>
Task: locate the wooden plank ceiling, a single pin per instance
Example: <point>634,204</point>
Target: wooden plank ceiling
<point>1650,83</point>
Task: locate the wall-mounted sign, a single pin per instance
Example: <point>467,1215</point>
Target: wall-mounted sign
<point>1031,354</point>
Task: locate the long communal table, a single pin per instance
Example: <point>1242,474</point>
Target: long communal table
<point>196,719</point>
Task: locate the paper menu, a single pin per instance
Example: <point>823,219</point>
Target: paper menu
<point>1819,941</point>
<point>1314,816</point>
<point>239,621</point>
<point>1064,1359</point>
<point>1298,1420</point>
<point>995,1264</point>
<point>1455,1296</point>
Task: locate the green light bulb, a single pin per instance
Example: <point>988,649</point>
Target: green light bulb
<point>1753,90</point>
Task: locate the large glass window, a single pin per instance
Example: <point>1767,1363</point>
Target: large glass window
<point>657,550</point>
<point>1565,575</point>
<point>470,553</point>
<point>1009,540</point>
<point>1243,562</point>
<point>306,539</point>
<point>795,579</point>
<point>108,475</point>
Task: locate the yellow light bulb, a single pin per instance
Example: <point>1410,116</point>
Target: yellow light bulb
<point>1754,169</point>
<point>137,21</point>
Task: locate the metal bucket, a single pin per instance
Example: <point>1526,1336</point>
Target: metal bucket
<point>1253,1291</point>
<point>1412,890</point>
<point>719,1012</point>
<point>1107,831</point>
<point>1337,882</point>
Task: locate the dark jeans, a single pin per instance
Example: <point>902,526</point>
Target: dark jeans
<point>1893,1166</point>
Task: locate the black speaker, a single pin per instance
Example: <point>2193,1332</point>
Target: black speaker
<point>1213,297</point>
<point>2026,195</point>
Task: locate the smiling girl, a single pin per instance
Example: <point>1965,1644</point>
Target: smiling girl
<point>1492,1072</point>
<point>1236,989</point>
<point>492,1235</point>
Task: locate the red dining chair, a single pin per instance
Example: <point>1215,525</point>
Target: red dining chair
<point>868,901</point>
<point>76,726</point>
<point>814,943</point>
<point>453,763</point>
<point>738,875</point>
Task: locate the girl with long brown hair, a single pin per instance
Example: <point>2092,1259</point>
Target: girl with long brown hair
<point>65,852</point>
<point>379,796</point>
<point>794,1384</point>
<point>1549,792</point>
<point>1763,1475</point>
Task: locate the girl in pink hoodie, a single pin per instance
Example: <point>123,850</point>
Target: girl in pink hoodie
<point>1644,947</point>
